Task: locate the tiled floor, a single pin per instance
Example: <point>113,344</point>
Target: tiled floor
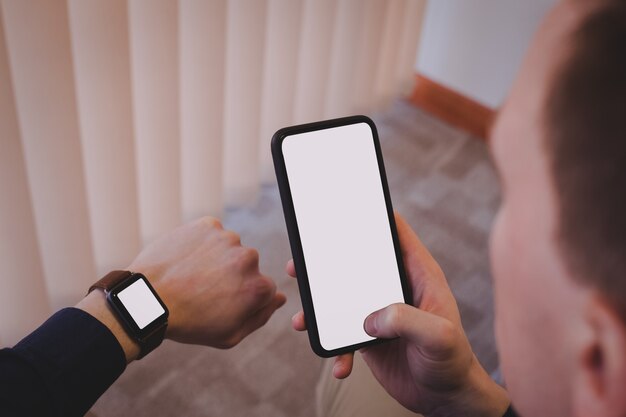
<point>440,179</point>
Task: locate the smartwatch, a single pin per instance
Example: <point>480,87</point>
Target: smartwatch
<point>137,306</point>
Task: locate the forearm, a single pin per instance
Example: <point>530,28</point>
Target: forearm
<point>61,368</point>
<point>96,305</point>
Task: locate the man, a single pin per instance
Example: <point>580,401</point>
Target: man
<point>558,251</point>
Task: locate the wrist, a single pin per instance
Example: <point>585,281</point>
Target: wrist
<point>492,399</point>
<point>96,305</point>
<point>480,397</point>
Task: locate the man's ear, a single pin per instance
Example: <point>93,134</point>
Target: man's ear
<point>599,387</point>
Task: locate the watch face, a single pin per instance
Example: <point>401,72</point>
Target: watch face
<point>138,304</point>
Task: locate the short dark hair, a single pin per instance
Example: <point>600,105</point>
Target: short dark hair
<point>585,122</point>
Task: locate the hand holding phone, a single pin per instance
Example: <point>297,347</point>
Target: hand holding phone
<point>430,364</point>
<point>341,228</point>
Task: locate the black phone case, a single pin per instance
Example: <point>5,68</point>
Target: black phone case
<point>294,234</point>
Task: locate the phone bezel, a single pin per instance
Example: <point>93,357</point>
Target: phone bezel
<point>294,234</point>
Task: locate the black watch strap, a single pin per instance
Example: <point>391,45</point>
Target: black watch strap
<point>110,280</point>
<point>151,341</point>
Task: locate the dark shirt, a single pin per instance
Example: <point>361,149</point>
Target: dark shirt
<point>60,369</point>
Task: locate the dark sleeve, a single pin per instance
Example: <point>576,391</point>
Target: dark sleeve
<point>510,412</point>
<point>60,369</point>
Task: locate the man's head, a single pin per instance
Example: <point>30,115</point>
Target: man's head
<point>559,242</point>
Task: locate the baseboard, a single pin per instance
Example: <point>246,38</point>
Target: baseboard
<point>451,106</point>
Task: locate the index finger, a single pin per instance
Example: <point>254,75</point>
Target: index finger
<point>418,260</point>
<point>410,243</point>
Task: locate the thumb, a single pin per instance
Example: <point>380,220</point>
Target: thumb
<point>426,330</point>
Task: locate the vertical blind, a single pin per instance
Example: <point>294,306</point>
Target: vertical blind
<point>120,119</point>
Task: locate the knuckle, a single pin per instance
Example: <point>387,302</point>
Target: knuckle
<point>263,288</point>
<point>446,335</point>
<point>233,340</point>
<point>211,222</point>
<point>232,237</point>
<point>247,258</point>
<point>395,316</point>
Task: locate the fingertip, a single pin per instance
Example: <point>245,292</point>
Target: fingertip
<point>290,268</point>
<point>370,324</point>
<point>280,299</point>
<point>400,222</point>
<point>338,370</point>
<point>297,321</point>
<point>343,366</point>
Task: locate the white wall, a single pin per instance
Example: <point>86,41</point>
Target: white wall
<point>476,46</point>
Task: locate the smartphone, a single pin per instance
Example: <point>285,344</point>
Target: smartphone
<point>341,228</point>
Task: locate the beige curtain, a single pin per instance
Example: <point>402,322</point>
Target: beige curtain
<point>120,119</point>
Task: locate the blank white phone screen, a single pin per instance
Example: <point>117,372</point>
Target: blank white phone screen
<point>140,303</point>
<point>344,228</point>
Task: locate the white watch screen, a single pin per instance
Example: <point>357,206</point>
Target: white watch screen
<point>140,303</point>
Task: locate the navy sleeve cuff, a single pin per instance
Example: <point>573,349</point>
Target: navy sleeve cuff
<point>510,412</point>
<point>76,357</point>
